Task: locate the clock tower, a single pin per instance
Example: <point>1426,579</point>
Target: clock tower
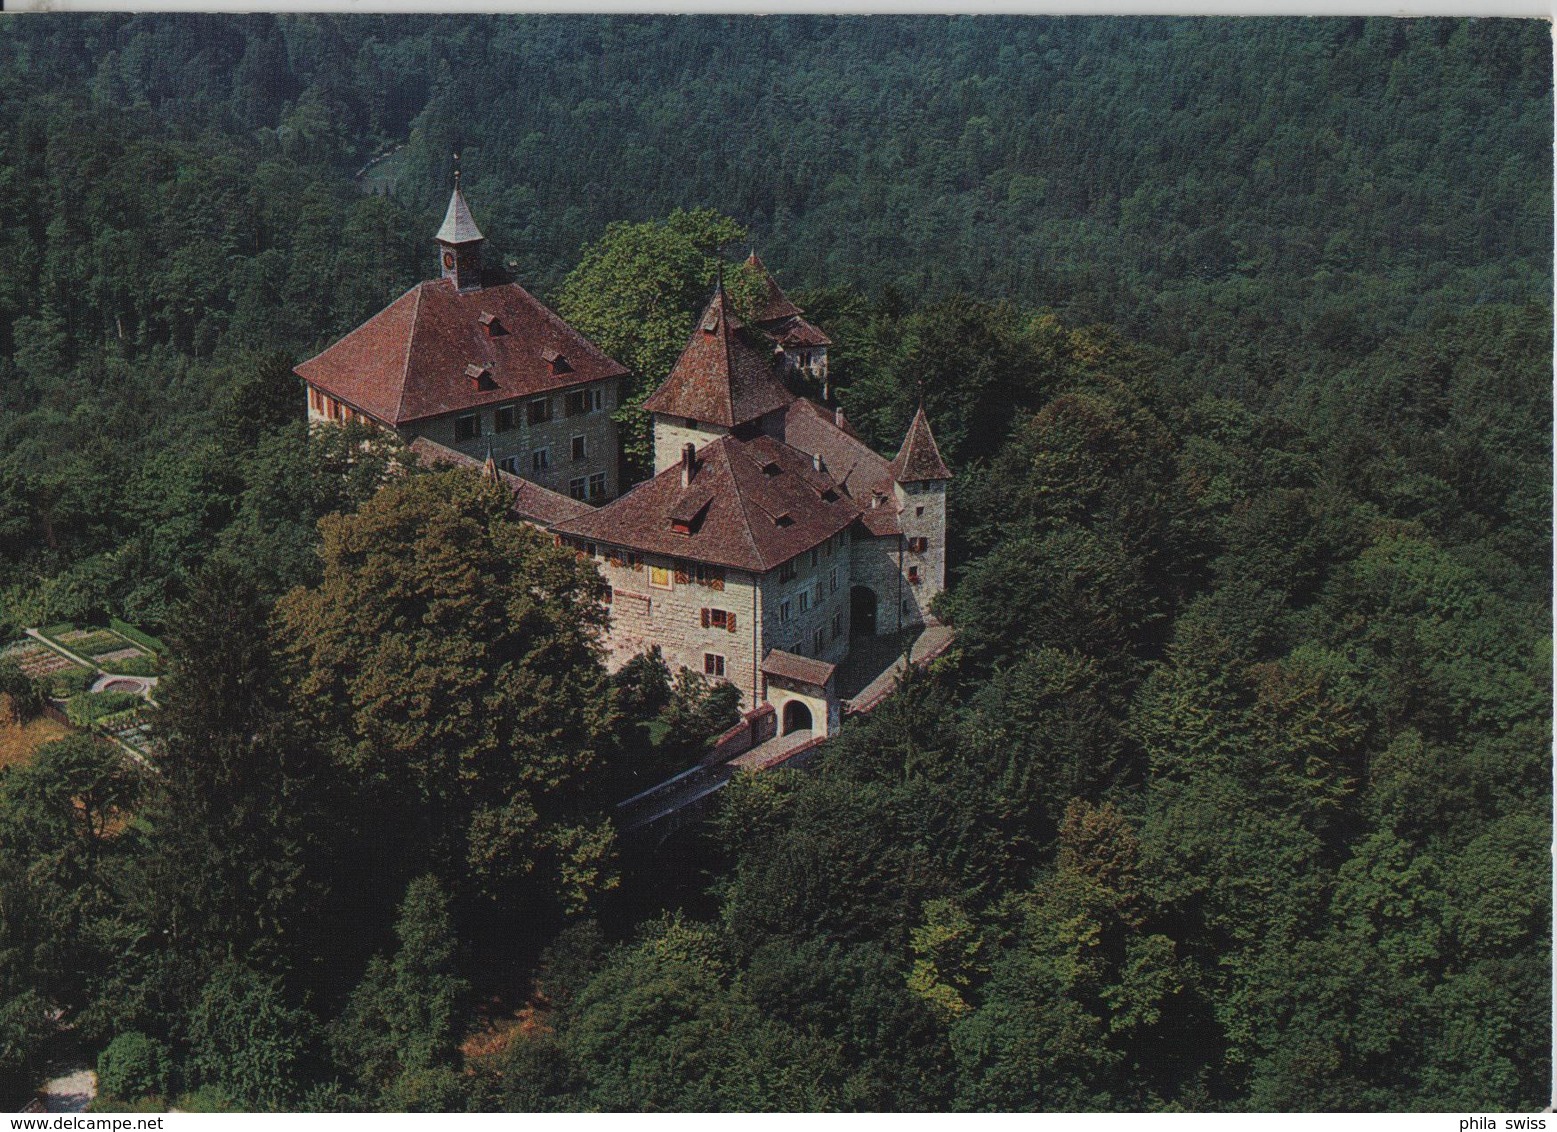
<point>459,243</point>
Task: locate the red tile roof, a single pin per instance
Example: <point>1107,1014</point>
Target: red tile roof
<point>751,504</point>
<point>796,333</point>
<point>531,501</point>
<point>862,473</point>
<point>802,669</point>
<point>408,362</point>
<point>723,377</point>
<point>774,305</point>
<point>919,459</point>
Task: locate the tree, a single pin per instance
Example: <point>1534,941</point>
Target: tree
<point>238,804</point>
<point>245,1039</point>
<point>400,1023</point>
<point>450,660</point>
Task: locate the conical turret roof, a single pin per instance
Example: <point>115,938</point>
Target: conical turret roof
<point>458,225</point>
<point>919,459</point>
<point>774,305</point>
<point>720,378</point>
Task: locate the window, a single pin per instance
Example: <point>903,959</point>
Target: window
<point>918,545</point>
<point>718,619</point>
<point>540,459</point>
<point>784,610</point>
<point>838,624</point>
<point>805,600</point>
<point>787,571</point>
<point>315,399</point>
<point>538,411</point>
<point>708,575</point>
<point>818,641</point>
<point>578,448</point>
<point>467,428</point>
<point>578,487</point>
<point>913,575</point>
<point>814,557</point>
<point>509,464</point>
<point>832,581</point>
<point>597,486</point>
<point>582,401</point>
<point>335,408</point>
<point>919,511</point>
<point>592,550</point>
<point>713,664</point>
<point>507,419</point>
<point>659,576</point>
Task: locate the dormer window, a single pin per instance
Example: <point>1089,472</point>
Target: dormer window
<point>491,324</point>
<point>556,362</point>
<point>480,377</point>
<point>783,519</point>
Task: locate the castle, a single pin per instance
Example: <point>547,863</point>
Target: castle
<point>770,536</point>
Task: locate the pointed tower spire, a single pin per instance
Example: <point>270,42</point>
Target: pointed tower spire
<point>772,305</point>
<point>919,460</point>
<point>724,379</point>
<point>459,241</point>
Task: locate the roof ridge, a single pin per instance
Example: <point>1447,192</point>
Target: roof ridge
<point>410,343</point>
<point>745,513</point>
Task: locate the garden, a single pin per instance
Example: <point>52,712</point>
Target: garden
<point>96,678</point>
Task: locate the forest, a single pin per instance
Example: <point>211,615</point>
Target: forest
<point>1235,791</point>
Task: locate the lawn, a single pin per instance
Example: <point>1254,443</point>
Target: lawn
<point>17,743</point>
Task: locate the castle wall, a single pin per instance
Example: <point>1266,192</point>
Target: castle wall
<point>826,586</point>
<point>672,433</point>
<point>875,566</point>
<point>923,516</point>
<point>644,614</point>
<point>514,448</point>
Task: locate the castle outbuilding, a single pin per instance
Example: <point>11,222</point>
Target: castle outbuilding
<point>473,362</point>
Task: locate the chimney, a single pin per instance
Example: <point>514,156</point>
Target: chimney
<point>688,464</point>
<point>816,461</point>
<point>838,416</point>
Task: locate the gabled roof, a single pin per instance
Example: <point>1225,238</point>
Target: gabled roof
<point>861,472</point>
<point>751,504</point>
<point>531,501</point>
<point>722,377</point>
<point>408,362</point>
<point>774,305</point>
<point>459,227</point>
<point>919,459</point>
<point>801,669</point>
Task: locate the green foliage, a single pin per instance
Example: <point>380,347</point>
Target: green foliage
<point>450,657</point>
<point>134,1065</point>
<point>399,1028</point>
<point>86,708</point>
<point>23,697</point>
<point>246,1040</point>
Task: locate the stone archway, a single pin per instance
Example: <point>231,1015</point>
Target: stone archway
<point>862,611</point>
<point>797,717</point>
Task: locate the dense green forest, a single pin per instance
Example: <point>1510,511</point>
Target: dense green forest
<point>1234,793</point>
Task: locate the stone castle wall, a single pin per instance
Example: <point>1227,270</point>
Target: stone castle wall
<point>644,614</point>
